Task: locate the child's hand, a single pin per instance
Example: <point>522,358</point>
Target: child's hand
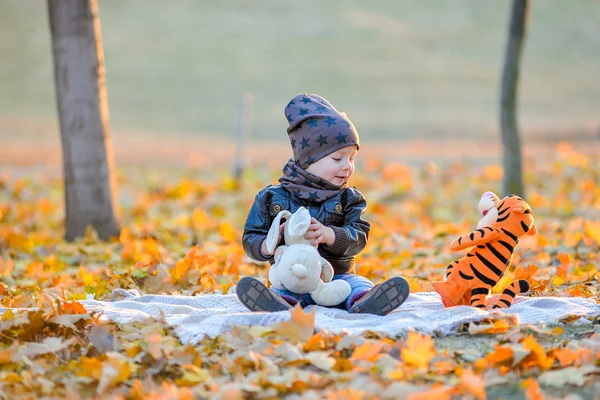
<point>320,233</point>
<point>263,246</point>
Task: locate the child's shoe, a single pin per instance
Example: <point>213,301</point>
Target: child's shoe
<point>257,297</point>
<point>383,298</point>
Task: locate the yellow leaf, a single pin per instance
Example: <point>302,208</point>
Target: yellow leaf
<point>115,370</point>
<point>227,231</point>
<point>180,270</point>
<point>150,247</point>
<point>193,375</point>
<point>85,277</point>
<point>8,315</point>
<point>414,285</point>
<point>558,330</point>
<point>90,367</point>
<point>90,235</point>
<point>592,230</point>
<point>200,219</point>
<point>396,375</point>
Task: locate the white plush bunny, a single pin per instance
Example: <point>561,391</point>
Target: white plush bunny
<point>298,266</point>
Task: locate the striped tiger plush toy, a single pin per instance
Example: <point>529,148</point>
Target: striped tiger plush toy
<point>469,280</point>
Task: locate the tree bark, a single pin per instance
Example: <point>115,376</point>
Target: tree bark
<point>83,113</point>
<point>513,170</point>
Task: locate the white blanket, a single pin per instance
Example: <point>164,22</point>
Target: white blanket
<point>194,317</point>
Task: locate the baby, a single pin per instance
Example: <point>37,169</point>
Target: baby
<point>324,145</point>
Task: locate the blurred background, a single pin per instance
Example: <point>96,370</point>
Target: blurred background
<point>425,74</point>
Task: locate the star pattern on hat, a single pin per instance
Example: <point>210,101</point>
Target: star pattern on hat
<point>291,103</point>
<point>312,123</point>
<point>293,142</point>
<point>341,138</point>
<point>330,121</point>
<point>303,111</point>
<point>310,160</point>
<point>320,109</point>
<point>322,140</point>
<point>289,117</point>
<point>304,142</point>
<point>305,100</point>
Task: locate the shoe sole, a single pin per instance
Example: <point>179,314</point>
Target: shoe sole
<point>257,297</point>
<point>386,298</point>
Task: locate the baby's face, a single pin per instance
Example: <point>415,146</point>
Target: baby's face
<point>336,167</point>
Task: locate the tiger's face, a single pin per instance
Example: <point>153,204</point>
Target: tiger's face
<point>488,208</point>
<point>515,216</point>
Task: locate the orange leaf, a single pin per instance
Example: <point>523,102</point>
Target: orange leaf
<point>73,307</point>
<point>501,355</point>
<point>343,365</point>
<point>533,390</point>
<point>154,345</point>
<point>565,356</point>
<point>565,261</point>
<point>419,350</point>
<point>439,393</point>
<point>300,327</point>
<point>526,273</point>
<point>473,383</point>
<point>543,360</point>
<point>314,343</point>
<point>368,351</point>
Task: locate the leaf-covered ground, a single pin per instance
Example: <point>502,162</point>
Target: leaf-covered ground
<point>181,235</point>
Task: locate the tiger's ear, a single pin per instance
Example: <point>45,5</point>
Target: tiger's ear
<point>518,209</point>
<point>532,231</point>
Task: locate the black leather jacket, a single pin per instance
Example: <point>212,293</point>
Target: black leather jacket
<point>343,213</point>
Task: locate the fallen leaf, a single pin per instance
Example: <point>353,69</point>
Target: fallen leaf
<point>575,376</point>
<point>300,327</point>
<point>473,383</point>
<point>49,345</point>
<point>419,350</point>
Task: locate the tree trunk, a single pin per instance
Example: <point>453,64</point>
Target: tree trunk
<point>513,170</point>
<point>83,113</point>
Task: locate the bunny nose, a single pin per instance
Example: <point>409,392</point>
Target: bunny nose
<point>299,271</point>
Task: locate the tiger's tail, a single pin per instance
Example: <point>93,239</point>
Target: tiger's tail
<point>508,295</point>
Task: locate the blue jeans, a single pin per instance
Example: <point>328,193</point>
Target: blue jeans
<point>358,284</point>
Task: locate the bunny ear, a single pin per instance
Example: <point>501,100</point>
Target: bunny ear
<point>299,223</point>
<point>273,235</point>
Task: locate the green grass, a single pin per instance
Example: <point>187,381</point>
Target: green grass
<point>400,69</point>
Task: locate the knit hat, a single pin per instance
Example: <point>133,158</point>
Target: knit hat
<point>317,129</point>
